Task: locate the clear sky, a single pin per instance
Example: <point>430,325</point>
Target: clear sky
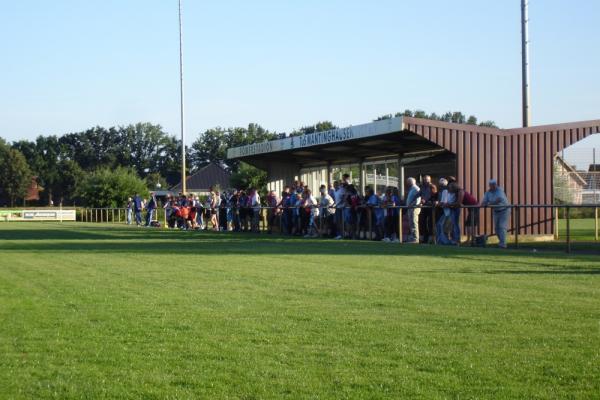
<point>67,65</point>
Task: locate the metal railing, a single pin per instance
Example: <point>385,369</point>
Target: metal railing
<point>272,219</point>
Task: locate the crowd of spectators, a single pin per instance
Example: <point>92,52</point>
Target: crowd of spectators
<point>338,211</point>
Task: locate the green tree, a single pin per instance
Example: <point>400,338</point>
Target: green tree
<point>321,126</point>
<point>489,124</point>
<point>15,175</point>
<point>43,157</point>
<point>247,177</point>
<point>108,187</point>
<point>70,176</point>
<point>472,120</point>
<point>154,180</point>
<point>212,145</point>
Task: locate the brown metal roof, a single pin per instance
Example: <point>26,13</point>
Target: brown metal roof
<point>521,159</point>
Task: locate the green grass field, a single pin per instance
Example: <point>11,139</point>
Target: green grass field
<point>90,311</point>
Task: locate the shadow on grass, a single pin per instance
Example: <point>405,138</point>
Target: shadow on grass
<point>582,271</point>
<point>119,239</point>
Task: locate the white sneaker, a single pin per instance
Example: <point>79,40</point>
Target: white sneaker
<point>338,237</point>
<point>387,240</point>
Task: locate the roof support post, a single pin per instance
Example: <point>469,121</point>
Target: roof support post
<point>401,176</point>
<point>363,177</point>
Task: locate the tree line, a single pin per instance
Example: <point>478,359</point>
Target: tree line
<point>101,167</point>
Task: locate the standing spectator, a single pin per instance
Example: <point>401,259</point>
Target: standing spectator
<point>375,212</point>
<point>286,211</point>
<point>351,204</point>
<point>129,210</point>
<point>445,214</point>
<point>327,211</point>
<point>152,204</point>
<point>296,204</point>
<point>456,200</point>
<point>390,202</point>
<point>254,203</point>
<point>312,209</point>
<point>331,191</point>
<point>496,197</point>
<point>206,212</point>
<point>272,211</point>
<point>472,221</point>
<point>199,212</point>
<point>214,204</point>
<point>428,198</point>
<point>235,212</point>
<point>223,211</point>
<point>413,200</point>
<point>230,209</point>
<point>346,180</point>
<point>339,196</point>
<point>137,209</point>
<point>243,210</point>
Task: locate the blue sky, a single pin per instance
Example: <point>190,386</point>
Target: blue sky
<point>67,65</point>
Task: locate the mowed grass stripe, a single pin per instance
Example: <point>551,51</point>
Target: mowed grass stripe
<point>108,311</point>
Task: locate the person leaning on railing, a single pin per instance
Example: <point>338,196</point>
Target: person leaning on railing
<point>413,200</point>
<point>429,194</point>
<point>272,210</point>
<point>327,205</point>
<point>390,202</point>
<point>496,197</point>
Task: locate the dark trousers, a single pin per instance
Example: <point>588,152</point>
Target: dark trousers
<point>138,217</point>
<point>426,224</point>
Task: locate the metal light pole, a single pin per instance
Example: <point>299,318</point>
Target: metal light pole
<point>183,177</point>
<point>525,57</point>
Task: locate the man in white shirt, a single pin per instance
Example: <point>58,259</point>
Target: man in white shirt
<point>413,200</point>
<point>339,197</point>
<point>327,210</point>
<point>255,204</point>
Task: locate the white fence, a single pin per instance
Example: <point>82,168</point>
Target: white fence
<point>48,214</point>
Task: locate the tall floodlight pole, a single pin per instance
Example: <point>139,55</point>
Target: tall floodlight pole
<point>525,57</point>
<point>183,177</point>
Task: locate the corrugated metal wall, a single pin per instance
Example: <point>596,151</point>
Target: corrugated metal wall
<point>521,160</point>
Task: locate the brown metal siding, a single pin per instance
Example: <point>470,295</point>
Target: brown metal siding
<point>521,160</point>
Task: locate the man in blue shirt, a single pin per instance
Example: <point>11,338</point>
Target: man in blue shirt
<point>496,197</point>
<point>152,204</point>
<point>137,209</point>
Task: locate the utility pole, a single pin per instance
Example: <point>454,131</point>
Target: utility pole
<point>183,177</point>
<point>525,60</point>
